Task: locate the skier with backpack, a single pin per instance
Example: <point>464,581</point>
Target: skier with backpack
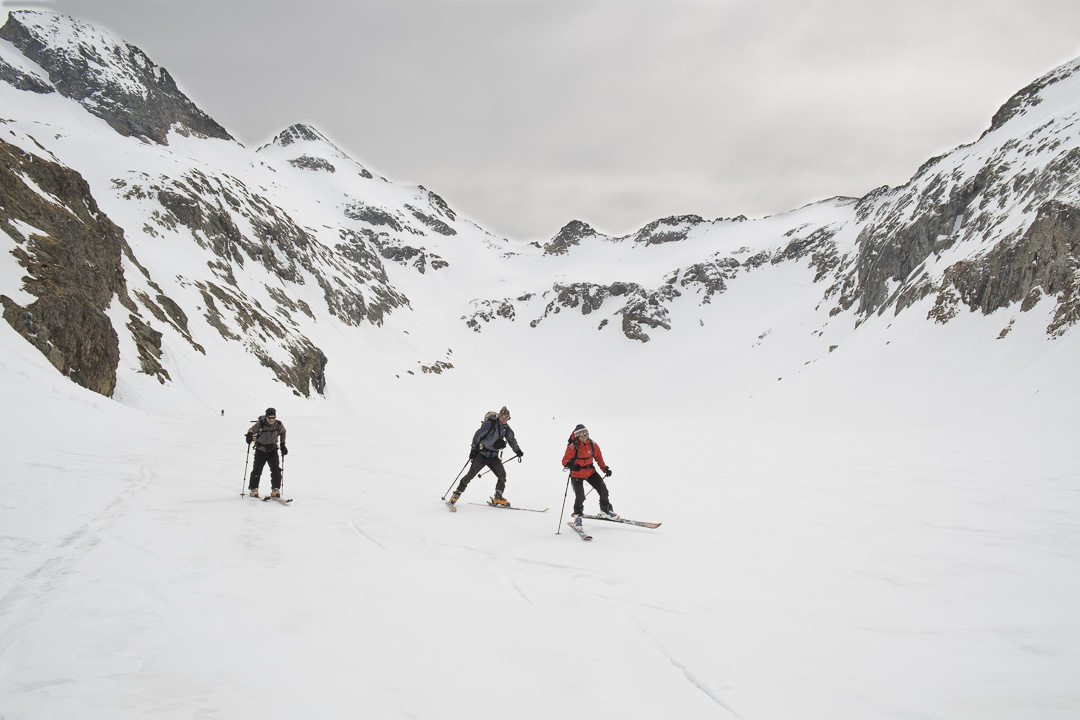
<point>581,458</point>
<point>266,433</point>
<point>494,435</point>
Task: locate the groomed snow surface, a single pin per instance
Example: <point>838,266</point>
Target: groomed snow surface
<point>845,568</point>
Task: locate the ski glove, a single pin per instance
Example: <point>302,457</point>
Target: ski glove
<point>284,450</point>
<point>248,438</point>
<point>521,453</point>
<point>607,472</point>
<point>572,467</point>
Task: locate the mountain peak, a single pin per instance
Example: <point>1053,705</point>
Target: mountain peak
<point>571,234</point>
<point>111,78</point>
<point>312,151</point>
<point>298,133</point>
<point>1031,95</point>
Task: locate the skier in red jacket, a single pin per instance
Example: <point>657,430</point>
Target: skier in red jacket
<point>581,452</point>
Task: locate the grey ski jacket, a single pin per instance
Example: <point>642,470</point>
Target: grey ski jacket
<point>266,436</point>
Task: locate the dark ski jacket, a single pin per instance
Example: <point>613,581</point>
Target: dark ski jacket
<point>583,453</point>
<point>266,436</point>
<point>492,437</point>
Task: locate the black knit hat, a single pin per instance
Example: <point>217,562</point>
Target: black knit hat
<point>271,411</point>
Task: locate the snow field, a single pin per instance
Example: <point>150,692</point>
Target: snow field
<point>838,571</point>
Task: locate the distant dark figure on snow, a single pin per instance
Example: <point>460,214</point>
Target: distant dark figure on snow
<point>494,434</point>
<point>266,433</point>
<point>222,413</point>
<point>581,452</point>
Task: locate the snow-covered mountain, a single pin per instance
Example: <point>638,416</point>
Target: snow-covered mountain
<point>194,249</point>
<point>856,421</point>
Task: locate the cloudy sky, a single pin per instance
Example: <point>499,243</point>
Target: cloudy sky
<point>526,114</point>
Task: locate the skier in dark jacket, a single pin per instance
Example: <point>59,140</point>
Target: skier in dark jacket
<point>581,458</point>
<point>266,433</point>
<point>494,434</point>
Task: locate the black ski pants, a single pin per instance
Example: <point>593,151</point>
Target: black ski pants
<point>579,492</point>
<point>479,463</point>
<point>265,457</point>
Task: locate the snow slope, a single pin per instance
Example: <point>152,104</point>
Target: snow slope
<point>863,517</point>
<point>810,571</point>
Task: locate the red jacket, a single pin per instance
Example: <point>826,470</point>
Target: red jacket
<point>583,453</point>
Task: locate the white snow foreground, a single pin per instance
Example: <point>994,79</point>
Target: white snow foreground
<point>830,571</point>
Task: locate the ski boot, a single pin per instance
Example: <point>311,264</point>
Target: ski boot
<point>577,520</point>
<point>276,492</point>
<point>454,497</point>
<point>500,501</point>
<point>253,492</point>
<point>610,514</point>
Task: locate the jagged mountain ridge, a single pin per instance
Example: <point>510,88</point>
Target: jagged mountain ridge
<point>282,252</point>
<point>109,77</point>
<point>1009,201</point>
<point>262,272</point>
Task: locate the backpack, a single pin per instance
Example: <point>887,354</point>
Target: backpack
<point>493,417</point>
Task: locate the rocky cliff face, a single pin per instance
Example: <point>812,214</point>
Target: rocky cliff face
<point>109,77</point>
<point>991,225</point>
<point>71,254</point>
<point>74,258</point>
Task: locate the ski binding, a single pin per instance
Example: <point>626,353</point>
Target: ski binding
<point>491,503</point>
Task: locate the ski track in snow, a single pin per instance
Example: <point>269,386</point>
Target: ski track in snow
<point>689,676</point>
<point>367,536</point>
<point>793,584</point>
<point>71,548</point>
<point>700,685</point>
<point>24,606</point>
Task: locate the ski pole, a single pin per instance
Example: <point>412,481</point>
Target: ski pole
<point>243,483</point>
<point>487,470</point>
<point>455,479</point>
<point>563,508</point>
<point>281,487</point>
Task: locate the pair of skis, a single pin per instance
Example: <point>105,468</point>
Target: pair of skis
<point>577,528</point>
<point>585,536</point>
<point>491,503</point>
<point>281,500</point>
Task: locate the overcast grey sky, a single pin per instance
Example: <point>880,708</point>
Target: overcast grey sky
<point>526,114</point>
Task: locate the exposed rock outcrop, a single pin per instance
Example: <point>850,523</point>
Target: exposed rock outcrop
<point>1044,262</point>
<point>666,230</point>
<point>23,80</point>
<point>109,77</point>
<point>573,233</point>
<point>72,257</point>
